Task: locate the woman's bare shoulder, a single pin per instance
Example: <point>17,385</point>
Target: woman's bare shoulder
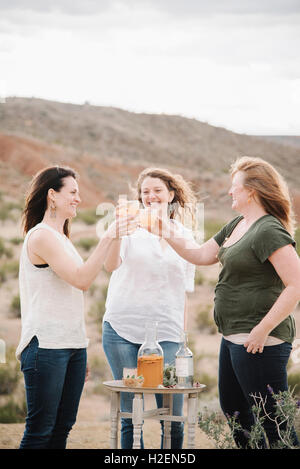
<point>41,237</point>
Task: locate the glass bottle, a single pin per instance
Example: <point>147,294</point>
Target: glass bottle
<point>150,358</point>
<point>184,364</point>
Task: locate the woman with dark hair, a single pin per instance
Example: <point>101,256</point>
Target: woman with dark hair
<point>257,291</point>
<point>52,278</point>
<point>149,281</point>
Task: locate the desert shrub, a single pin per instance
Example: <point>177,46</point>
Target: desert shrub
<point>215,426</point>
<point>5,213</point>
<point>294,382</point>
<point>5,251</point>
<point>204,319</point>
<point>6,210</point>
<point>15,306</point>
<point>9,269</point>
<point>199,277</point>
<point>211,227</point>
<point>9,373</point>
<point>12,412</point>
<point>104,290</point>
<point>286,415</point>
<point>87,243</point>
<point>98,368</point>
<point>2,247</point>
<point>9,379</point>
<point>97,310</point>
<point>16,240</point>
<point>99,372</point>
<point>88,216</point>
<point>207,379</point>
<point>93,289</point>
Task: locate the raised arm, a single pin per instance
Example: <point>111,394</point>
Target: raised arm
<point>46,246</point>
<point>188,249</point>
<point>125,225</point>
<point>49,249</point>
<point>206,254</point>
<point>113,259</point>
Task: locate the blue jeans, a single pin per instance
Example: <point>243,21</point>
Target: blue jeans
<point>121,354</point>
<point>242,374</point>
<point>54,379</point>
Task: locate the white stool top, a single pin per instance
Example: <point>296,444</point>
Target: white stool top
<point>119,386</point>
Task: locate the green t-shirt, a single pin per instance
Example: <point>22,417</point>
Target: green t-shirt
<point>248,284</point>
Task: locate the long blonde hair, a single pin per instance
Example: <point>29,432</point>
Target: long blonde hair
<point>184,198</point>
<point>270,187</point>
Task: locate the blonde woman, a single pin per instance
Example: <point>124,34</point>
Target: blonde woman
<point>257,291</point>
<point>52,347</point>
<point>149,281</point>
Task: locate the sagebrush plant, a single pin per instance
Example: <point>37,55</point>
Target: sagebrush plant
<point>284,415</point>
<point>216,428</point>
<point>10,373</point>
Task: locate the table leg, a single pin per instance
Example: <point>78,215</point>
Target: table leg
<point>192,418</point>
<point>167,402</point>
<point>114,419</point>
<point>137,419</point>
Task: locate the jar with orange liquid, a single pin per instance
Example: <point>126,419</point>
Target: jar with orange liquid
<point>150,363</point>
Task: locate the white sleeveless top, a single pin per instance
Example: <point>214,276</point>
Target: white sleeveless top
<point>51,308</point>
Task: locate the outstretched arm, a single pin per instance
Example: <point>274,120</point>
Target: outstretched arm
<point>47,247</point>
<point>188,249</point>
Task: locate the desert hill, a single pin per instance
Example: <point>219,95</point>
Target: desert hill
<point>110,146</point>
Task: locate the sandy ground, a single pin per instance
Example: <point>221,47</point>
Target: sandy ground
<point>92,429</point>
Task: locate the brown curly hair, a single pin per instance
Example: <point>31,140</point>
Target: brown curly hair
<point>184,196</point>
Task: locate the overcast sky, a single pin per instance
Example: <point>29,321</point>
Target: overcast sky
<point>231,63</point>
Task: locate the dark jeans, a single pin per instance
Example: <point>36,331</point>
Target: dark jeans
<point>241,374</point>
<point>54,379</point>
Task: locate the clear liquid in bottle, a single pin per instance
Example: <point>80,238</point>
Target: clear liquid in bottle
<point>184,364</point>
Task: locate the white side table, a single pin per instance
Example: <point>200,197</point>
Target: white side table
<point>164,413</point>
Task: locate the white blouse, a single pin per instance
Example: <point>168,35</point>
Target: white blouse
<point>149,284</point>
<point>51,309</point>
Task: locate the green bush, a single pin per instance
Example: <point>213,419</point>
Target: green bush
<point>9,269</point>
<point>6,210</point>
<point>204,319</point>
<point>10,373</point>
<point>11,412</point>
<point>211,227</point>
<point>16,240</point>
<point>15,306</point>
<point>87,243</point>
<point>97,311</point>
<point>4,251</point>
<point>294,382</point>
<point>88,216</point>
<point>207,379</point>
<point>199,277</point>
<point>285,415</point>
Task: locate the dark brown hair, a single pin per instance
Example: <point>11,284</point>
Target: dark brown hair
<point>36,199</point>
